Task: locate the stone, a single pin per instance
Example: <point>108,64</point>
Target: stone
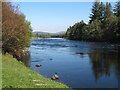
<point>38,65</point>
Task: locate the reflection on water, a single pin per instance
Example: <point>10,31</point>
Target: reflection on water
<point>79,64</point>
<point>102,61</point>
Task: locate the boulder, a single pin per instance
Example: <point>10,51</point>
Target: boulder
<point>81,53</point>
<point>55,77</point>
<point>38,65</point>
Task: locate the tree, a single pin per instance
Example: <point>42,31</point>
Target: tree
<point>76,31</point>
<point>103,24</point>
<point>102,10</point>
<point>69,33</point>
<point>79,30</point>
<point>97,11</point>
<point>93,31</point>
<point>108,16</point>
<point>117,9</point>
<point>16,30</point>
<point>108,11</point>
<point>117,14</point>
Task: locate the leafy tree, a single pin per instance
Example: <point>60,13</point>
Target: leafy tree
<point>93,31</point>
<point>69,33</point>
<point>16,30</point>
<point>110,34</point>
<point>76,31</point>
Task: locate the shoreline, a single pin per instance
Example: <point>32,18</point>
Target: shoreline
<point>16,75</point>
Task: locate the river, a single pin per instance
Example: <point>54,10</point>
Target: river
<point>79,64</point>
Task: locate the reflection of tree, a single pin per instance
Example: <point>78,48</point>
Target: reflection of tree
<point>118,66</point>
<point>102,62</point>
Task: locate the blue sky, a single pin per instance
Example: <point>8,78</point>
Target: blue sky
<point>55,16</point>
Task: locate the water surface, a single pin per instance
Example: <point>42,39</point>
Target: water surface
<point>78,64</point>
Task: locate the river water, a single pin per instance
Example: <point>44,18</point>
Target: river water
<point>78,64</point>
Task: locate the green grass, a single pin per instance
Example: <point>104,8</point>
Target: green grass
<point>16,75</point>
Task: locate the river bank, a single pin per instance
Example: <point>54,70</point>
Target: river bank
<point>16,75</point>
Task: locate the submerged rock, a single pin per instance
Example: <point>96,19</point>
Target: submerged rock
<point>51,59</point>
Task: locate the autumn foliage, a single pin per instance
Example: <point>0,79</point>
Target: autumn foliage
<point>16,30</point>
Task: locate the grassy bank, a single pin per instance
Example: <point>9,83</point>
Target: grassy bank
<point>16,75</point>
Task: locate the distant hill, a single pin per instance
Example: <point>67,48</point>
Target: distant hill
<point>44,33</point>
<point>61,32</point>
<point>40,33</point>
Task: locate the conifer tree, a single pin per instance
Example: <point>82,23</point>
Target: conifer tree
<point>117,9</point>
<point>97,11</point>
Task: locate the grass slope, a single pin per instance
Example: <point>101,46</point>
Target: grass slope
<point>16,75</point>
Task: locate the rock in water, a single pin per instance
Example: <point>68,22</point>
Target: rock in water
<point>38,65</point>
<point>81,53</point>
<point>55,77</point>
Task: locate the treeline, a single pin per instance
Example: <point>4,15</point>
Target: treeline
<point>62,35</point>
<point>16,30</point>
<point>37,35</point>
<point>49,35</point>
<point>104,24</point>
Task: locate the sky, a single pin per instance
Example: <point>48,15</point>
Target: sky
<point>55,16</point>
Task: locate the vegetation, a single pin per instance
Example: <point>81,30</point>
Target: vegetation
<point>37,35</point>
<point>104,24</point>
<point>76,31</point>
<point>16,75</point>
<point>16,34</point>
<point>62,35</point>
<point>16,30</point>
<point>48,35</point>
